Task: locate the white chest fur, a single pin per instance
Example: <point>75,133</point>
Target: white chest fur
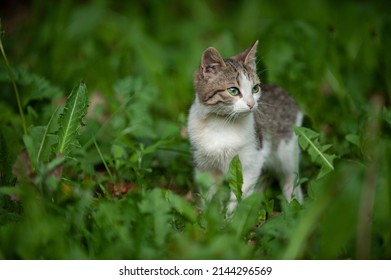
<point>217,140</point>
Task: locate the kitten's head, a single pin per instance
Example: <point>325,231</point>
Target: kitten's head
<point>228,86</point>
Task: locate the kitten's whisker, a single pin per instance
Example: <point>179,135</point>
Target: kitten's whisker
<point>228,118</point>
<point>219,110</point>
<point>231,118</point>
<point>258,110</point>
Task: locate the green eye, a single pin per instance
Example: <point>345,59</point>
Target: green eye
<point>255,89</point>
<point>233,91</point>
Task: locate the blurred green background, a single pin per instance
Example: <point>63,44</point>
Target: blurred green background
<point>137,59</point>
<point>310,47</point>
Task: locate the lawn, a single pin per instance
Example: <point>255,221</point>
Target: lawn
<point>95,161</point>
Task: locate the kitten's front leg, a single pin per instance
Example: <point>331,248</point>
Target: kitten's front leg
<point>249,182</point>
<point>252,162</point>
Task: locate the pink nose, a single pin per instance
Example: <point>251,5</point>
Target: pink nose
<point>250,105</point>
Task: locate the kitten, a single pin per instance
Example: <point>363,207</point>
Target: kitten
<point>233,114</point>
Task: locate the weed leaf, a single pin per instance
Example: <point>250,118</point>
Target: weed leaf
<point>70,120</point>
<point>47,139</point>
<point>235,177</point>
<point>38,143</point>
<point>157,208</point>
<point>182,206</point>
<point>245,216</point>
<point>30,144</point>
<point>354,139</point>
<point>308,140</point>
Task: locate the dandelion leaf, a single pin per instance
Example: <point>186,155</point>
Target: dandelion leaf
<point>309,141</point>
<point>71,120</point>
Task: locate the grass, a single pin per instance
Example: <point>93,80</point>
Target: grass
<point>114,178</point>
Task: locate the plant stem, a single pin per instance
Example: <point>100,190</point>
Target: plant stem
<point>102,158</point>
<point>11,75</point>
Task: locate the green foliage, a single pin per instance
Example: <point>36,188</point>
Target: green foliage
<point>246,215</point>
<point>125,187</point>
<point>40,141</point>
<point>308,140</point>
<point>235,177</point>
<point>5,163</point>
<point>12,78</point>
<point>70,120</point>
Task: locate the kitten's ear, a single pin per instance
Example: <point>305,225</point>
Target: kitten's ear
<point>248,56</point>
<point>211,61</point>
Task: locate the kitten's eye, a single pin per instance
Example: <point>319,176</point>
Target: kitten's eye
<point>255,89</point>
<point>233,91</point>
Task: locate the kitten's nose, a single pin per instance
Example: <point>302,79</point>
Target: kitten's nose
<point>250,105</point>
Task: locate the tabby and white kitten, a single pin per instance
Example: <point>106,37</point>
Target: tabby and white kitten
<point>233,114</point>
